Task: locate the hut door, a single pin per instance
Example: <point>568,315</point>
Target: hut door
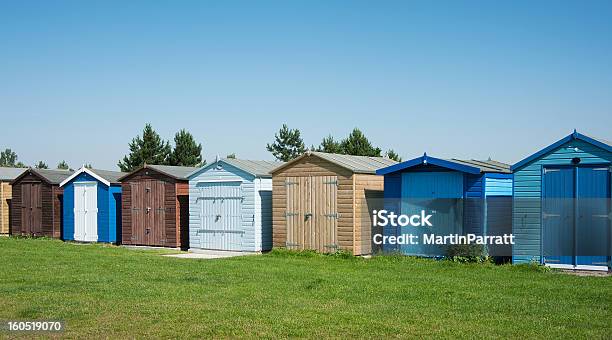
<point>86,211</point>
<point>31,208</point>
<point>592,215</point>
<point>155,231</point>
<point>312,213</point>
<point>221,215</point>
<point>558,215</point>
<point>148,213</point>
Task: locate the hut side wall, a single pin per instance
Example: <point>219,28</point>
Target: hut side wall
<point>6,193</point>
<point>369,190</point>
<point>306,167</point>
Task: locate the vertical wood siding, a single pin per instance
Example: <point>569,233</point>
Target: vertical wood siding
<point>49,223</point>
<point>164,221</point>
<point>527,205</point>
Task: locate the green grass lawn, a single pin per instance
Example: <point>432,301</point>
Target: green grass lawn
<point>107,291</point>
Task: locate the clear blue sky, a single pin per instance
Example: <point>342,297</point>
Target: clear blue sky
<point>79,79</point>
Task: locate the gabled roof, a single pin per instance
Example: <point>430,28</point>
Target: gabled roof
<point>9,174</point>
<point>49,176</point>
<point>355,164</point>
<point>600,143</point>
<point>468,166</point>
<point>105,176</point>
<point>177,172</point>
<point>256,168</point>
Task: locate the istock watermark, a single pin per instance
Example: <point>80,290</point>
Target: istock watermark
<point>384,218</point>
<point>418,229</point>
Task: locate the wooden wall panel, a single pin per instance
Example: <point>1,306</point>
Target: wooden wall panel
<point>368,197</point>
<point>6,194</point>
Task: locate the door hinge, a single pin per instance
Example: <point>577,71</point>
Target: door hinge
<point>334,215</point>
<point>289,244</point>
<point>333,246</point>
<point>334,182</point>
<point>288,183</point>
<point>291,214</point>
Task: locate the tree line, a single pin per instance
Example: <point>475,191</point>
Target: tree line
<point>150,148</point>
<point>288,145</point>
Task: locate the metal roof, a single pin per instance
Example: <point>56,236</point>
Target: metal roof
<point>178,172</point>
<point>111,176</point>
<point>485,166</point>
<point>55,176</point>
<point>9,174</point>
<point>471,166</point>
<point>255,168</point>
<point>355,164</point>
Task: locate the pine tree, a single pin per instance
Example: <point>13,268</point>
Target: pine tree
<point>186,151</point>
<point>393,155</point>
<point>63,165</point>
<point>8,158</point>
<point>41,165</point>
<point>149,149</point>
<point>328,144</point>
<point>358,145</point>
<point>231,155</point>
<point>287,144</point>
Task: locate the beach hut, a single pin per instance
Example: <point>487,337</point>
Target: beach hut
<point>462,196</point>
<point>92,206</point>
<point>230,206</point>
<point>324,202</point>
<point>37,203</point>
<point>155,206</point>
<point>562,204</point>
<point>7,175</point>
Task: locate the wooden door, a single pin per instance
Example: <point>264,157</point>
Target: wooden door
<point>138,213</point>
<point>31,209</point>
<point>148,213</point>
<point>156,210</point>
<point>312,213</point>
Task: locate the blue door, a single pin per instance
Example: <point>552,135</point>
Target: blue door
<point>439,194</point>
<point>593,215</point>
<point>558,216</point>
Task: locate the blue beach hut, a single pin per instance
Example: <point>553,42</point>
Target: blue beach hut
<point>463,196</point>
<point>92,206</point>
<point>562,206</point>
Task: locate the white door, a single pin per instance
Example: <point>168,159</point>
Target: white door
<point>221,215</point>
<point>86,211</point>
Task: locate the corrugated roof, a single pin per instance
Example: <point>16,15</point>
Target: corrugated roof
<point>53,176</point>
<point>355,164</point>
<point>255,168</point>
<point>111,176</point>
<point>9,174</point>
<point>178,172</point>
<point>485,166</point>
